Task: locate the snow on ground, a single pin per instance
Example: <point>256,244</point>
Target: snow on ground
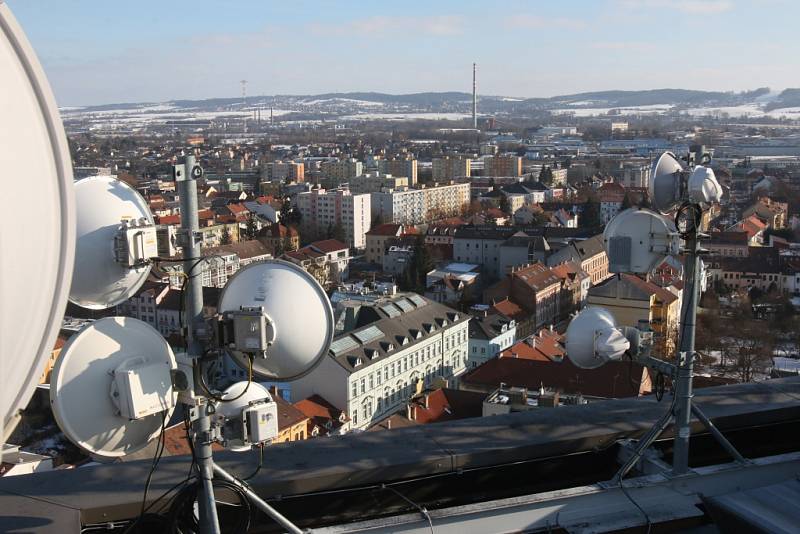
<point>786,364</point>
<point>407,116</point>
<point>650,109</point>
<point>352,101</point>
<point>745,110</point>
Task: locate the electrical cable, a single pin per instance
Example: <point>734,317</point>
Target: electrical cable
<point>207,389</point>
<point>636,504</point>
<point>260,463</point>
<point>160,445</point>
<point>659,386</point>
<point>421,509</point>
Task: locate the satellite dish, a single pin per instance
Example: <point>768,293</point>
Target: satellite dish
<point>594,339</point>
<point>703,186</point>
<point>637,240</point>
<point>299,312</point>
<point>244,404</point>
<point>99,281</point>
<point>665,182</point>
<point>115,369</point>
<point>36,262</point>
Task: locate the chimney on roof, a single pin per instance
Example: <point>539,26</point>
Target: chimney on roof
<point>389,423</point>
<point>273,390</point>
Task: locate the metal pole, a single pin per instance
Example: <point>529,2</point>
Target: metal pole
<point>643,444</point>
<point>258,501</point>
<point>727,445</point>
<point>683,390</point>
<point>186,184</point>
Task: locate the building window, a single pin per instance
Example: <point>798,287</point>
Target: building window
<point>371,382</point>
<point>355,390</point>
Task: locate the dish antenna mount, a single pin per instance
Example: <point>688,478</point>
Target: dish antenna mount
<point>637,241</point>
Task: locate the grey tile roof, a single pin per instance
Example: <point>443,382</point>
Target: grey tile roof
<point>399,330</point>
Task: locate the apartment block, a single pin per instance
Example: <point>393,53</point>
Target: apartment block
<point>322,210</point>
<point>285,171</point>
<point>400,167</point>
<point>447,168</point>
<point>342,170</point>
<point>373,182</point>
<point>502,166</point>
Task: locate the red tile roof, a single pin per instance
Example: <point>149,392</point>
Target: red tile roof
<point>664,295</point>
<point>320,413</point>
<point>509,309</point>
<point>169,219</point>
<point>609,381</point>
<point>329,245</point>
<point>388,229</point>
<point>447,405</point>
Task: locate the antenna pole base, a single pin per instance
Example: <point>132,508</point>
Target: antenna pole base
<point>260,503</point>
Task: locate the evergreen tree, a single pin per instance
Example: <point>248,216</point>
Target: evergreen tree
<point>225,238</point>
<point>626,202</point>
<point>505,207</point>
<point>421,264</point>
<point>251,226</point>
<point>546,176</point>
<point>590,216</point>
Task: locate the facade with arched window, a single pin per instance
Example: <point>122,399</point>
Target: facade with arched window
<point>374,370</point>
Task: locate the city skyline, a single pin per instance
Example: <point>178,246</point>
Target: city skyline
<point>310,48</point>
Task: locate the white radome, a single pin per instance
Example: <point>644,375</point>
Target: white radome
<point>37,258</point>
<point>594,339</point>
<point>299,308</point>
<point>98,281</point>
<point>81,386</point>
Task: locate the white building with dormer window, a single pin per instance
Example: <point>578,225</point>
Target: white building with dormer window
<point>373,370</point>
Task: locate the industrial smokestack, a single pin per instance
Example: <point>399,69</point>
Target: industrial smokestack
<point>474,97</point>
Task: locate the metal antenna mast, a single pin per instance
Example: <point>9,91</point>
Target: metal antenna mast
<point>186,174</point>
<point>244,101</point>
<point>474,96</point>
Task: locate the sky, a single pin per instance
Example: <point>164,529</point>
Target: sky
<point>99,51</point>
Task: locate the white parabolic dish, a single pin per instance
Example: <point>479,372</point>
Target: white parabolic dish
<point>98,281</point>
<point>37,257</point>
<point>665,186</point>
<point>80,386</point>
<point>233,409</point>
<point>593,338</point>
<point>299,308</point>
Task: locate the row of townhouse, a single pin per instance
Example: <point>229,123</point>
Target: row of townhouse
<point>400,345</point>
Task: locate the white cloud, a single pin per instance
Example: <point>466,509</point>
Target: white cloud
<point>444,25</point>
<point>694,7</point>
<point>536,22</point>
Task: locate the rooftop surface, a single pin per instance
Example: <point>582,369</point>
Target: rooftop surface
<point>451,452</point>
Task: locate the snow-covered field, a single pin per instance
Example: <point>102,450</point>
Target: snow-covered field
<point>651,109</point>
<point>745,110</point>
<point>407,116</point>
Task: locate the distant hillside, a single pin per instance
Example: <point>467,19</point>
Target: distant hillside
<point>658,96</point>
<point>332,104</point>
<point>789,98</point>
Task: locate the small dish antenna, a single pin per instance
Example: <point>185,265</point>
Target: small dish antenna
<point>637,241</point>
<point>665,183</point>
<point>36,262</point>
<point>116,239</point>
<point>250,416</point>
<point>594,339</point>
<point>277,314</point>
<point>111,388</point>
